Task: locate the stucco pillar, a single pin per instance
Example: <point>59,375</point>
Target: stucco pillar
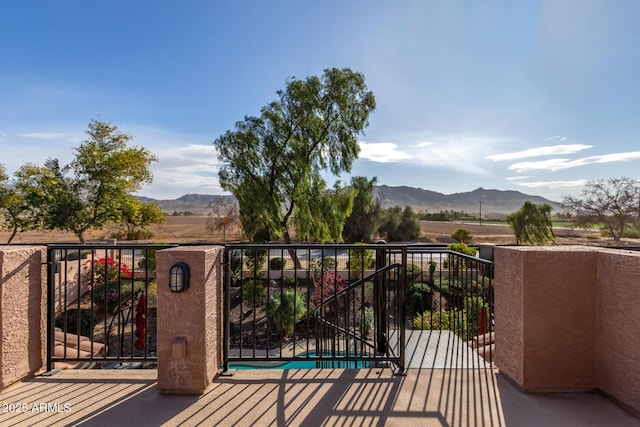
<point>22,312</point>
<point>190,324</point>
<point>546,316</point>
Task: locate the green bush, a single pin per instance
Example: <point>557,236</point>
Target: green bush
<point>438,320</point>
<point>367,321</point>
<point>254,260</point>
<point>360,260</point>
<point>252,292</point>
<point>413,271</point>
<point>284,310</point>
<point>418,298</point>
<point>462,235</point>
<point>235,261</point>
<point>111,293</point>
<point>320,265</point>
<point>276,263</point>
<point>87,321</point>
<point>464,323</point>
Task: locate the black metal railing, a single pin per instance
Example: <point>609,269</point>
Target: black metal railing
<point>348,305</point>
<point>101,304</point>
<point>306,306</point>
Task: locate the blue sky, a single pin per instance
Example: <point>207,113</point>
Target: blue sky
<point>538,97</point>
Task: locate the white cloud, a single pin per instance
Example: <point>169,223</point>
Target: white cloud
<point>549,150</point>
<point>517,178</point>
<point>463,153</point>
<point>382,152</point>
<point>42,135</point>
<point>554,184</point>
<point>560,164</point>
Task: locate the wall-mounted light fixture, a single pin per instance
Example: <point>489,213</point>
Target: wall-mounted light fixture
<point>179,277</point>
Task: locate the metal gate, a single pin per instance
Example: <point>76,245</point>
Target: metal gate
<point>101,305</point>
<point>347,306</point>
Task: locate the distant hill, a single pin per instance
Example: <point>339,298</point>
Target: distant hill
<point>494,202</point>
<point>498,202</point>
<point>196,203</point>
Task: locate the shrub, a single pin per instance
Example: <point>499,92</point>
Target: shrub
<point>252,291</point>
<point>462,248</point>
<point>87,321</point>
<point>462,235</point>
<point>360,260</point>
<point>113,292</point>
<point>102,271</point>
<point>235,261</point>
<point>464,323</point>
<point>367,321</point>
<point>413,271</point>
<point>419,298</point>
<point>254,260</point>
<point>325,288</point>
<point>284,310</point>
<point>457,263</point>
<point>276,263</point>
<point>319,265</point>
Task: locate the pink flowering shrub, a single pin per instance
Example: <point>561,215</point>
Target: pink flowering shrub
<point>326,287</point>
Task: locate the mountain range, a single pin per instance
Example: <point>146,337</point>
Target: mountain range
<point>495,203</point>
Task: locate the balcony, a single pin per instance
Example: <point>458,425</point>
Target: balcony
<point>568,336</point>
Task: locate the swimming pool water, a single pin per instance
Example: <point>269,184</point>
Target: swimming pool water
<point>303,364</point>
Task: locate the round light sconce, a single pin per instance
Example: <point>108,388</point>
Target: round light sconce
<point>179,277</point>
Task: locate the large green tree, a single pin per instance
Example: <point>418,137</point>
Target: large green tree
<point>273,163</point>
<point>613,204</point>
<point>136,215</point>
<point>15,214</point>
<point>532,224</point>
<point>91,191</point>
<point>400,225</point>
<point>366,213</point>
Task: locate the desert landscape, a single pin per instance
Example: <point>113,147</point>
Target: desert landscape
<point>193,229</point>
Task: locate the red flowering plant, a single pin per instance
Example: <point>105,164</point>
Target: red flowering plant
<point>101,271</point>
<point>327,286</point>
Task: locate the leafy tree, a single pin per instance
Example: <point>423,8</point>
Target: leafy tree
<point>462,235</point>
<point>366,213</point>
<point>89,192</point>
<point>532,224</point>
<point>136,216</point>
<point>15,214</point>
<point>273,163</point>
<point>613,204</point>
<point>400,225</point>
<point>324,220</point>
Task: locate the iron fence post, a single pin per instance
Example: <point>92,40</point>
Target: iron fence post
<point>379,293</point>
<point>51,274</point>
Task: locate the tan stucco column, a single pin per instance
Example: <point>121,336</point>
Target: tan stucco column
<point>23,296</point>
<point>546,316</point>
<point>190,325</point>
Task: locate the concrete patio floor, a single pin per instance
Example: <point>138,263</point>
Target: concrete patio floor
<point>423,397</point>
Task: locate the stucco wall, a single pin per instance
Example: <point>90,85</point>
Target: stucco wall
<point>194,315</point>
<point>567,319</point>
<point>619,326</point>
<point>22,312</point>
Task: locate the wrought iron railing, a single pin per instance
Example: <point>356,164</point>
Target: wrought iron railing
<point>101,304</point>
<point>348,305</point>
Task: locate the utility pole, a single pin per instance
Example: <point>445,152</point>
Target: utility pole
<point>480,212</point>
